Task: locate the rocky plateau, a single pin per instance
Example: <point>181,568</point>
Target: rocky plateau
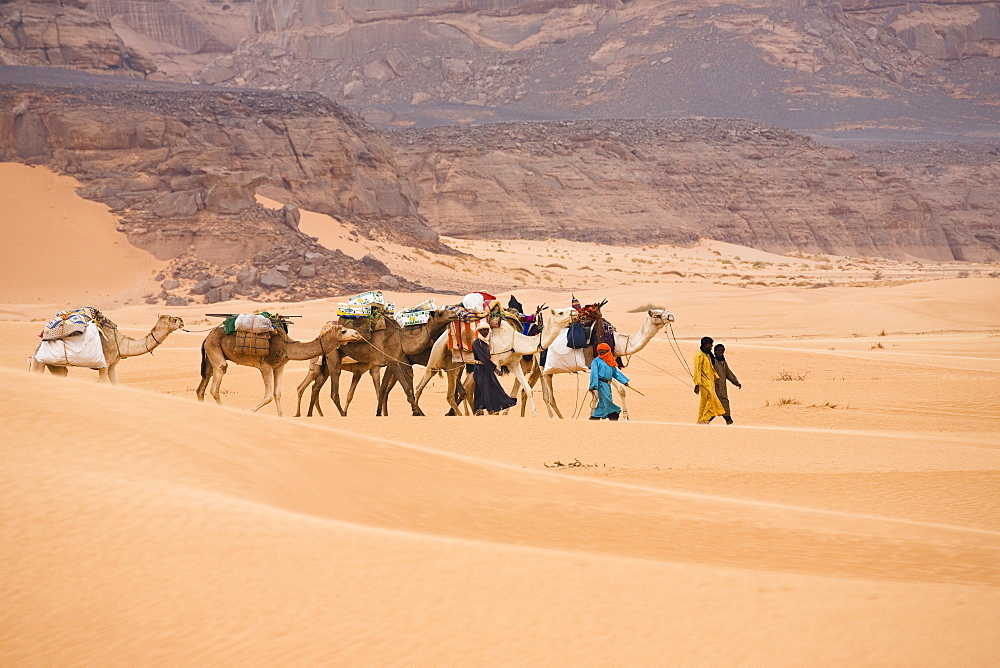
<point>181,166</point>
<point>639,182</point>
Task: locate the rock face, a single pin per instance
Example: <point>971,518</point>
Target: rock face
<point>62,33</point>
<point>638,182</point>
<point>194,26</point>
<point>181,165</point>
<point>793,63</point>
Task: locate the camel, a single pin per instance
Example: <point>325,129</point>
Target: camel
<point>118,346</point>
<point>441,358</point>
<point>625,345</point>
<point>218,349</point>
<point>397,348</point>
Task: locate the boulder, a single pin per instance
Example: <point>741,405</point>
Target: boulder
<point>212,296</point>
<point>375,263</point>
<point>455,70</point>
<point>378,71</point>
<point>307,271</point>
<point>226,292</point>
<point>246,275</point>
<point>176,301</point>
<point>272,279</point>
<point>201,287</point>
<point>389,281</point>
<point>353,90</point>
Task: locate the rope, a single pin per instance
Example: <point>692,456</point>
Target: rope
<point>197,331</point>
<point>679,380</point>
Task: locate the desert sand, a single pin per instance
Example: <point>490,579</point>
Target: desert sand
<point>850,516</point>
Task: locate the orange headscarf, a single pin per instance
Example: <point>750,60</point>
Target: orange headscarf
<point>604,352</point>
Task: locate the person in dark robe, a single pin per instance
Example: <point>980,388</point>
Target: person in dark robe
<point>488,395</point>
<point>724,373</point>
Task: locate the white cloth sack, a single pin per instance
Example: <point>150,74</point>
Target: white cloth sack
<point>474,302</point>
<point>562,358</point>
<point>82,350</point>
<point>252,322</point>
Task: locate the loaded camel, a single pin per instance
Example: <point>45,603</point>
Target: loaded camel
<point>397,348</point>
<point>625,345</point>
<point>441,358</point>
<point>218,349</point>
<point>118,346</point>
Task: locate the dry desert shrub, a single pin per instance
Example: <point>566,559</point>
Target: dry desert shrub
<point>783,401</point>
<point>788,375</point>
<point>554,265</point>
<point>877,346</point>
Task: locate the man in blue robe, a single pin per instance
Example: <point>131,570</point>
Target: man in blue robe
<point>603,370</point>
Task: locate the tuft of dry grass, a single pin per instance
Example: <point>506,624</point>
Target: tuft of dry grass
<point>788,375</point>
<point>555,265</point>
<point>784,401</point>
<point>877,346</point>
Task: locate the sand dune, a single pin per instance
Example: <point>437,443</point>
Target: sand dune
<point>195,532</point>
<point>59,246</point>
<point>850,516</point>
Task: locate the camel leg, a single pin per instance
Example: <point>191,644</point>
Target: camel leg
<point>404,374</point>
<point>268,375</point>
<point>382,392</point>
<point>217,373</point>
<point>469,391</point>
<point>519,372</point>
<point>333,370</point>
<point>428,374</point>
<point>534,373</point>
<point>113,373</point>
<point>276,392</point>
<point>453,376</point>
<point>549,395</point>
<point>306,382</point>
<point>621,393</point>
<point>322,374</point>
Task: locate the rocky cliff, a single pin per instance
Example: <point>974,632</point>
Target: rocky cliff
<point>639,182</point>
<point>181,165</point>
<point>795,63</point>
<point>63,33</point>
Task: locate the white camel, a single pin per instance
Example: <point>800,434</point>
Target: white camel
<point>625,345</point>
<point>441,357</point>
<point>118,346</point>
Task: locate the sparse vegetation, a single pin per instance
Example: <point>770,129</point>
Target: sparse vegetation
<point>788,375</point>
<point>882,333</point>
<point>783,401</point>
<point>555,265</point>
<point>877,346</point>
<point>962,274</point>
<point>877,276</point>
<point>450,265</point>
<point>760,264</point>
<point>832,405</point>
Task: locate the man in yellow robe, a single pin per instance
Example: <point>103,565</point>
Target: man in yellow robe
<point>709,405</point>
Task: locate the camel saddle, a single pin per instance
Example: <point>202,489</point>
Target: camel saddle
<point>255,344</point>
<point>73,323</point>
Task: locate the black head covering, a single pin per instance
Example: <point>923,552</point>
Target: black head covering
<point>514,304</point>
<point>706,339</point>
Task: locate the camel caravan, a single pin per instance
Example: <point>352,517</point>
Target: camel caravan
<point>371,337</point>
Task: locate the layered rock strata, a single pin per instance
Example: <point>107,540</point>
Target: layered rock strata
<point>63,33</point>
<point>181,166</point>
<point>640,182</point>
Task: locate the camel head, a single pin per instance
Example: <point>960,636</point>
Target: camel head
<point>559,317</point>
<point>660,316</point>
<point>444,315</point>
<point>338,335</point>
<point>172,323</point>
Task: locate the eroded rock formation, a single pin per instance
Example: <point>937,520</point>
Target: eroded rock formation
<point>62,33</point>
<point>181,165</point>
<point>638,182</point>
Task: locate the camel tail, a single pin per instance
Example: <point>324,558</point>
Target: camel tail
<point>206,366</point>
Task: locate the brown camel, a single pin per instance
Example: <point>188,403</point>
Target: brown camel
<point>397,348</point>
<point>218,349</point>
<point>117,347</point>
